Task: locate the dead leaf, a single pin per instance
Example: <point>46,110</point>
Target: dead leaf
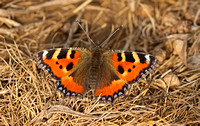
<point>172,80</point>
<point>194,62</point>
<point>160,55</point>
<point>179,48</point>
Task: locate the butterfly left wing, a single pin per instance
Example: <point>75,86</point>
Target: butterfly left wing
<point>119,69</point>
<point>62,64</point>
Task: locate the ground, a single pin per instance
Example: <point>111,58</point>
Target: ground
<point>167,29</point>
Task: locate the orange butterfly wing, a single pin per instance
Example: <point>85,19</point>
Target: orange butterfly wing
<point>61,63</point>
<point>119,69</point>
<point>132,65</point>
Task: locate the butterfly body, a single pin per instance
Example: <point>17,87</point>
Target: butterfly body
<point>94,69</point>
<point>78,70</point>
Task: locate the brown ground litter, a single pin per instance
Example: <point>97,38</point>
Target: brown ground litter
<point>167,29</point>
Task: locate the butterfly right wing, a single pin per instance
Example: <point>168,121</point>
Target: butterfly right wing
<point>119,68</point>
<point>62,65</point>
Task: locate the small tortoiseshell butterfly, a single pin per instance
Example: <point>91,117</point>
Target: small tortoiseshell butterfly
<point>77,70</point>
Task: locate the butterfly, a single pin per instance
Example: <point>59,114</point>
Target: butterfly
<point>107,72</point>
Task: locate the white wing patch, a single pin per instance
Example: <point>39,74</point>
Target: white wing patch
<point>44,53</point>
<point>147,57</point>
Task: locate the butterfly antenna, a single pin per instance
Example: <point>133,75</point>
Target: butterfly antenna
<point>90,40</point>
<point>105,41</point>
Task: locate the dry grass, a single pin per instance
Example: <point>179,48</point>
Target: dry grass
<point>168,29</point>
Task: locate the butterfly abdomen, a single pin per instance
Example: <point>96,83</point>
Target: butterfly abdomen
<point>94,70</point>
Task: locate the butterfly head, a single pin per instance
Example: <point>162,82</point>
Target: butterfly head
<point>96,47</point>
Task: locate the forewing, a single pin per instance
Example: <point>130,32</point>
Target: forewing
<point>131,66</point>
